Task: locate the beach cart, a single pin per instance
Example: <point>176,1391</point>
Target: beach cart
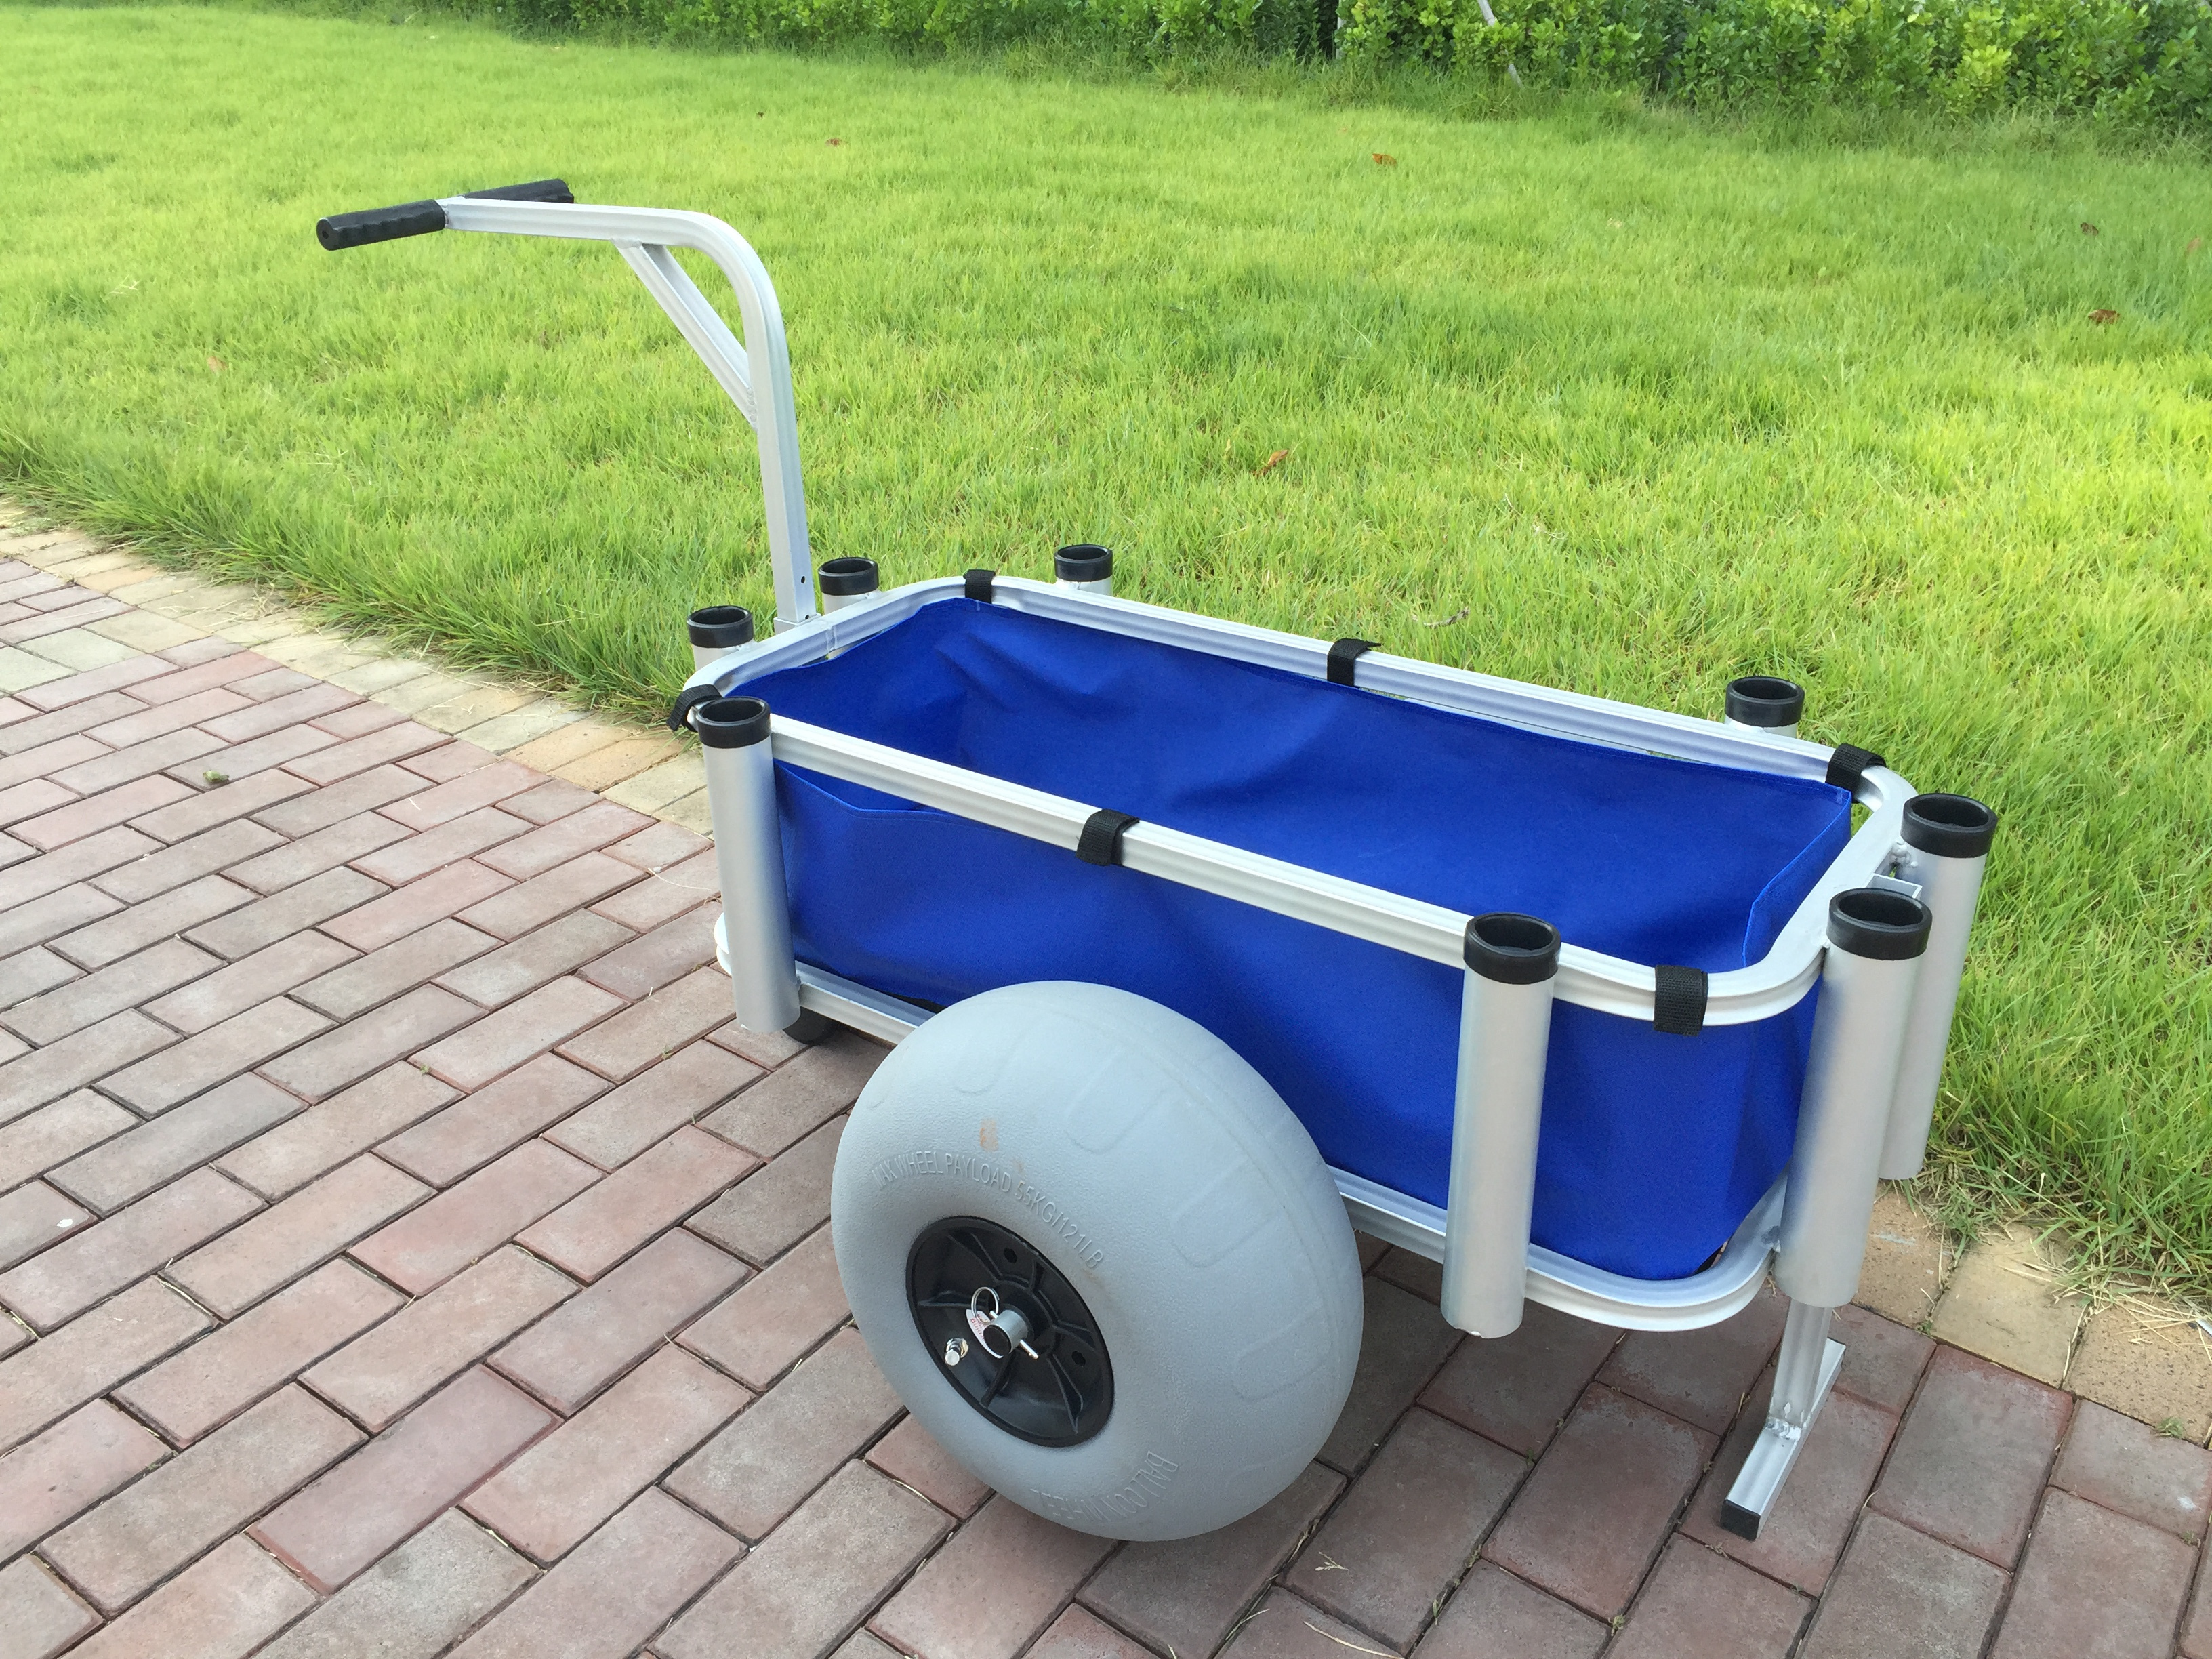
<point>1201,945</point>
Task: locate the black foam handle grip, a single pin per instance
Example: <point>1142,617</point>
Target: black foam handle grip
<point>344,230</point>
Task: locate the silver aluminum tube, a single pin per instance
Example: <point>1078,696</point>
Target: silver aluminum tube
<point>715,631</point>
<point>1797,1384</point>
<point>1948,836</point>
<point>748,856</point>
<point>1504,1032</point>
<point>1876,939</point>
<point>1083,567</point>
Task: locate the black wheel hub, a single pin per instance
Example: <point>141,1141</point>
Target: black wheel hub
<point>1009,1332</point>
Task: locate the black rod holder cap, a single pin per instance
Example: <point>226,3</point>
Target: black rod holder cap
<point>1949,826</point>
<point>1083,561</point>
<point>721,627</point>
<point>1761,700</point>
<point>1878,924</point>
<point>1512,948</point>
<point>731,722</point>
<point>841,578</point>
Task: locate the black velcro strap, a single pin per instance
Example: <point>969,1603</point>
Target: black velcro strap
<point>679,715</point>
<point>1342,655</point>
<point>1678,1005</point>
<point>1847,767</point>
<point>979,584</point>
<point>1101,841</point>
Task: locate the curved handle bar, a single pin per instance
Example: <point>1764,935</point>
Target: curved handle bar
<point>346,230</point>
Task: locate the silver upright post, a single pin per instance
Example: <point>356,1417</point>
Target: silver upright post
<point>1084,567</point>
<point>1504,1031</point>
<point>748,855</point>
<point>1875,941</point>
<point>1761,703</point>
<point>1949,837</point>
<point>1803,1372</point>
<point>716,629</point>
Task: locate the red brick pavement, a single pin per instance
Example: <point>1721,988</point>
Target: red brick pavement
<point>405,1255</point>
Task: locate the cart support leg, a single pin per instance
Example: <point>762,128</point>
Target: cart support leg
<point>1876,939</point>
<point>1804,1371</point>
<point>748,856</point>
<point>1505,1030</point>
<point>1949,837</point>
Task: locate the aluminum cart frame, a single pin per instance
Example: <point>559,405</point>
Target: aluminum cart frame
<point>1884,1009</point>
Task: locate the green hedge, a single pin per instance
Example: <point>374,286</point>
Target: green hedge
<point>2132,62</point>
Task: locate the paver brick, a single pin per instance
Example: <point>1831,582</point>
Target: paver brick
<point>655,1103</point>
<point>777,1205</point>
<point>38,1617</point>
<point>1702,1603</point>
<point>218,1376</point>
<point>135,1539</point>
<point>1899,1591</point>
<point>797,1594</point>
<point>1493,1615</point>
<point>1186,1595</point>
<point>1284,1626</point>
<point>757,1334</point>
<point>20,736</point>
<point>334,803</point>
<point>1591,1518</point>
<point>478,1127</point>
<point>542,898</point>
<point>1701,1376</point>
<point>461,795</point>
<point>197,709</point>
<point>503,1040</point>
<point>567,1356</point>
<point>357,720</point>
<point>432,1242</point>
<point>101,1259</point>
<point>134,1164</point>
<point>2136,1358</point>
<point>1800,1540</point>
<point>643,905</point>
<point>661,847</point>
<point>103,768</point>
<point>53,1135</point>
<point>992,1588</point>
<point>1407,1527</point>
<point>757,1470</point>
<point>36,795</point>
<point>382,747</point>
<point>559,1492</point>
<point>207,1058</point>
<point>150,920</point>
<point>395,968</point>
<point>659,957</point>
<point>1076,1634</point>
<point>89,1355</point>
<point>435,849</point>
<point>109,990</point>
<point>566,834</point>
<point>190,861</point>
<point>1518,1389</point>
<point>2003,1303</point>
<point>122,674</point>
<point>269,972</point>
<point>57,913</point>
<point>2095,1582</point>
<point>222,1606</point>
<point>378,1376</point>
<point>30,973</point>
<point>35,1218</point>
<point>1403,1342</point>
<point>318,850</point>
<point>800,1095</point>
<point>323,1137</point>
<point>201,676</point>
<point>54,760</point>
<point>2126,1466</point>
<point>654,1190</point>
<point>80,861</point>
<point>290,709</point>
<point>282,914</point>
<point>911,1456</point>
<point>60,1068</point>
<point>1970,1461</point>
<point>399,1482</point>
<point>299,1233</point>
<point>557,748</point>
<point>368,1042</point>
<point>103,811</point>
<point>413,1603</point>
<point>240,761</point>
<point>534,959</point>
<point>240,798</point>
<point>1882,1359</point>
<point>63,1471</point>
<point>614,1591</point>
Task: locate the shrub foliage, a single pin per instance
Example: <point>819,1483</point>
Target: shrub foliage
<point>2130,62</point>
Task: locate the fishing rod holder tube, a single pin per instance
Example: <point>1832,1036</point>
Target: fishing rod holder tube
<point>749,857</point>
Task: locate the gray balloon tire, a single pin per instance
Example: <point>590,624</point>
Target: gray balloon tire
<point>1178,1194</point>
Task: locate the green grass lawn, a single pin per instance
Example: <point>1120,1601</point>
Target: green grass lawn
<point>1602,399</point>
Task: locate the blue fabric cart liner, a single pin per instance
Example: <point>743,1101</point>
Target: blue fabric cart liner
<point>1653,1146</point>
